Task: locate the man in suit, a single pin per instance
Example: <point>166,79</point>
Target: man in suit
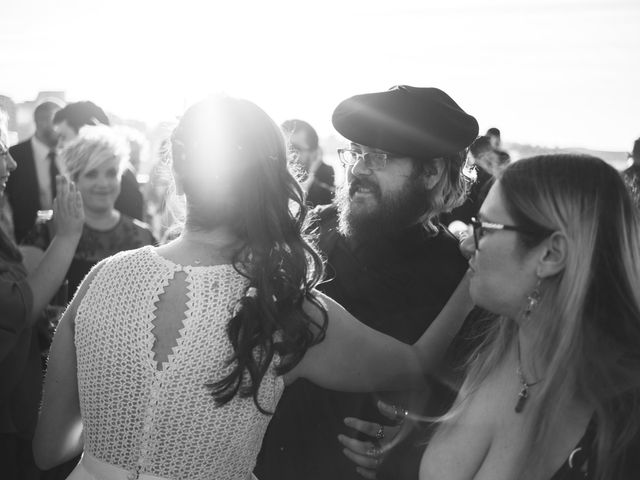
<point>31,187</point>
<point>319,177</point>
<point>68,123</point>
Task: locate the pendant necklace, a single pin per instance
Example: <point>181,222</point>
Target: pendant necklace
<point>524,386</point>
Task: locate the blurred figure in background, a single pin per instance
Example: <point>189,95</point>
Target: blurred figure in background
<point>488,162</point>
<point>632,174</point>
<point>138,147</point>
<point>318,178</point>
<point>164,209</point>
<point>32,186</point>
<point>490,159</point>
<point>68,123</point>
<point>494,137</point>
<point>23,297</point>
<point>95,160</point>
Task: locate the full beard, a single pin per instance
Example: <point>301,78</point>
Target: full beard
<point>392,213</point>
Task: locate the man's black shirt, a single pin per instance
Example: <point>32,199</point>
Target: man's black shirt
<point>397,287</point>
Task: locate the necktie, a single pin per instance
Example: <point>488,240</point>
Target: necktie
<point>53,171</point>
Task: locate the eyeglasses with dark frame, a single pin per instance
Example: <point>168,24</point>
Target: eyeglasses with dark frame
<point>372,160</point>
<point>479,227</point>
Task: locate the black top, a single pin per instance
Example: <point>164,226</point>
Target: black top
<point>94,245</point>
<point>581,463</point>
<point>397,287</point>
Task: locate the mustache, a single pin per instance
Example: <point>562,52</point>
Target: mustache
<point>363,183</point>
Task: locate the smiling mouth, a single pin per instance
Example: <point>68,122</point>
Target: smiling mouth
<point>358,188</point>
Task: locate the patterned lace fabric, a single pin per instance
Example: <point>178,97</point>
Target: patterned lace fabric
<point>164,422</point>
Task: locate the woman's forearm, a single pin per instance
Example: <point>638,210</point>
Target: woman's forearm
<point>50,273</point>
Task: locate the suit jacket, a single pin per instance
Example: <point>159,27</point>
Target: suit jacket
<point>23,192</point>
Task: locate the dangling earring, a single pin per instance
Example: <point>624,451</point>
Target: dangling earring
<point>533,299</point>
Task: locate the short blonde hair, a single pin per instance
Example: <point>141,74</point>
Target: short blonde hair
<point>94,146</point>
<point>4,127</point>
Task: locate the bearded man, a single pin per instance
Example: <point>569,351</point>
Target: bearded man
<point>389,263</point>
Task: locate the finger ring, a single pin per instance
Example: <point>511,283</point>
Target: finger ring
<point>400,413</point>
<point>374,452</point>
<point>380,433</point>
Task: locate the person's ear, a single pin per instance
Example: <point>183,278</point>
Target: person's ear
<point>432,172</point>
<point>553,257</point>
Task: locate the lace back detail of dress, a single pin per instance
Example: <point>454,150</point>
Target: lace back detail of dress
<point>161,419</point>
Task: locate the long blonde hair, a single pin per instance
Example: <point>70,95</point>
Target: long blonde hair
<point>587,323</point>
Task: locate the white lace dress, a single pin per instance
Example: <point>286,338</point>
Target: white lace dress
<point>144,422</point>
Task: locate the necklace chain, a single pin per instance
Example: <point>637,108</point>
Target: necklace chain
<point>523,395</point>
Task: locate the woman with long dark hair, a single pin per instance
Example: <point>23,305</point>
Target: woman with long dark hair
<point>169,360</point>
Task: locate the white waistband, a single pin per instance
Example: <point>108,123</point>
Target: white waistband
<point>99,470</point>
<point>90,468</point>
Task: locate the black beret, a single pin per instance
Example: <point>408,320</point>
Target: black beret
<point>414,122</point>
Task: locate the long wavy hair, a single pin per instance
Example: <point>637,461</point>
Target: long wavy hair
<point>266,211</point>
<point>587,322</point>
<point>450,191</point>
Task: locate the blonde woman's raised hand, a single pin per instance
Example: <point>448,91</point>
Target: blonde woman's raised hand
<point>68,213</point>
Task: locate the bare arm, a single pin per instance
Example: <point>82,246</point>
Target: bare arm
<point>356,358</point>
<point>58,436</point>
<point>50,272</point>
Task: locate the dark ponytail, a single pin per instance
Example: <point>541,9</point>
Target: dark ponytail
<point>279,261</point>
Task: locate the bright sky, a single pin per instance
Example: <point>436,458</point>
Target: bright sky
<point>548,72</point>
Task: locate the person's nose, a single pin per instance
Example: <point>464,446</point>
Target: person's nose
<point>360,168</point>
<point>104,181</point>
<point>11,163</point>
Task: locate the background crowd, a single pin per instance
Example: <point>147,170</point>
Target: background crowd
<point>74,196</point>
